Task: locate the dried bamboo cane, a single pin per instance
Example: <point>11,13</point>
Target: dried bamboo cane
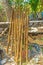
<point>20,37</point>
<point>26,35</point>
<point>27,40</point>
<point>9,36</point>
<point>21,51</point>
<point>14,38</point>
<point>12,34</point>
<point>24,39</point>
<point>21,41</point>
<point>12,43</point>
<point>17,38</point>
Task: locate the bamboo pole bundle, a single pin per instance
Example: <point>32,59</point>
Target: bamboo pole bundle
<point>18,28</point>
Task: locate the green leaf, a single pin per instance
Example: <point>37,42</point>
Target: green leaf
<point>30,47</point>
<point>34,4</point>
<point>10,2</point>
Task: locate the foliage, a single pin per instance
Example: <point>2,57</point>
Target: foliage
<point>42,49</point>
<point>41,38</point>
<point>34,4</point>
<point>20,4</point>
<point>41,4</point>
<point>10,2</point>
<point>1,7</point>
<point>30,47</point>
<point>15,2</point>
<point>26,5</point>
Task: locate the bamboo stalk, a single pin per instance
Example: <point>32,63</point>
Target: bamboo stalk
<point>21,40</point>
<point>17,30</point>
<point>15,37</point>
<point>24,31</point>
<point>9,33</point>
<point>13,20</point>
<point>26,38</point>
<point>12,37</point>
<point>21,51</point>
<point>27,43</point>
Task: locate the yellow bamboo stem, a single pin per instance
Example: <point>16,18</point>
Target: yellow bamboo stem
<point>16,29</point>
<point>27,35</point>
<point>9,34</point>
<point>26,39</point>
<point>14,35</point>
<point>17,37</point>
<point>21,41</point>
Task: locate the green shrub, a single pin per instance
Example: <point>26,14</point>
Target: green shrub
<point>1,7</point>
